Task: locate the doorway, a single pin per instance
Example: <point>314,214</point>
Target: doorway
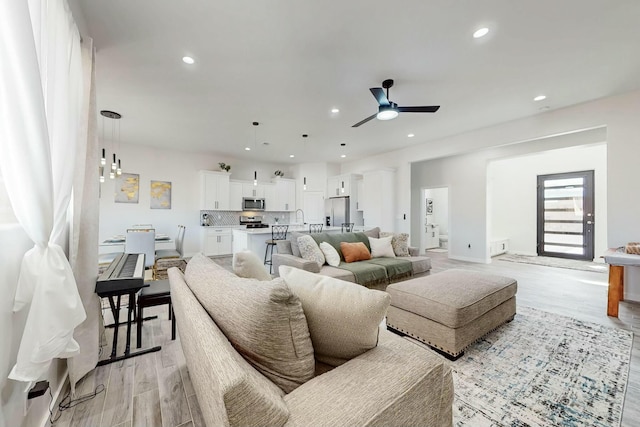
<point>435,220</point>
<point>565,215</point>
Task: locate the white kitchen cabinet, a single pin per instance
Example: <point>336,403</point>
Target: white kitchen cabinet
<point>269,193</point>
<point>216,241</point>
<point>378,199</point>
<point>285,195</point>
<point>235,196</point>
<point>359,193</point>
<point>252,191</point>
<point>214,190</point>
<point>339,185</point>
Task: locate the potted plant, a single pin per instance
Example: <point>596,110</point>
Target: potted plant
<point>224,167</point>
<point>279,173</point>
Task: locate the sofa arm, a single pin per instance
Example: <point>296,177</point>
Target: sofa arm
<point>293,261</point>
<point>396,383</point>
<point>414,251</point>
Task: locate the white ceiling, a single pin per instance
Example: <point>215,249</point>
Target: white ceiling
<point>285,64</point>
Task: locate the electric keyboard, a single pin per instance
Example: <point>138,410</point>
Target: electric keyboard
<point>124,274</point>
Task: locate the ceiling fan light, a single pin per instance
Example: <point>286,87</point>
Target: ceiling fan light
<point>387,113</point>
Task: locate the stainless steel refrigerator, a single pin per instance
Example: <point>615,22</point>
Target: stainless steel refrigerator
<point>336,211</point>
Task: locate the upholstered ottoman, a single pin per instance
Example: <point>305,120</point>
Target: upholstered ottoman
<point>450,310</point>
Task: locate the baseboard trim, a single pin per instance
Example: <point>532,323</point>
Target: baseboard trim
<point>46,421</point>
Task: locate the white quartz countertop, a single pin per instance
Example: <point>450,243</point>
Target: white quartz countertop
<point>300,229</point>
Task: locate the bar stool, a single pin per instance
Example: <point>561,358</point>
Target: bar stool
<point>278,232</point>
<point>347,227</point>
<point>157,293</point>
<point>315,228</point>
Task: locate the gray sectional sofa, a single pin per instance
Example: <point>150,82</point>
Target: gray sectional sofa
<point>397,382</point>
<point>386,269</point>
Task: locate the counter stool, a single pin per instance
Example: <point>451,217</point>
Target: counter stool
<point>278,232</point>
<point>315,228</point>
<point>157,293</point>
<point>347,227</point>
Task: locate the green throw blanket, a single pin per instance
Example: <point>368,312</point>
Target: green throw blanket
<point>366,274</point>
<point>397,268</point>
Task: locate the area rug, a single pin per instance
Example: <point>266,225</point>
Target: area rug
<point>543,369</point>
<point>556,262</point>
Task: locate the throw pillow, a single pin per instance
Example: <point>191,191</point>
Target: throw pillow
<point>295,250</point>
<point>247,264</point>
<point>263,321</point>
<point>330,254</point>
<point>381,247</point>
<point>374,232</point>
<point>343,317</point>
<point>309,250</point>
<point>399,241</point>
<point>353,252</point>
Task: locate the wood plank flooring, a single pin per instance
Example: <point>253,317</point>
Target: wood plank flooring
<point>155,389</point>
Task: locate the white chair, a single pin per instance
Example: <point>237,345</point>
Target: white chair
<point>173,253</point>
<point>142,241</point>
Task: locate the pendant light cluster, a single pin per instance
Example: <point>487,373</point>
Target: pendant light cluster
<point>255,137</point>
<point>116,166</point>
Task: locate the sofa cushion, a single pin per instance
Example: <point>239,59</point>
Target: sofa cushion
<point>374,232</point>
<point>381,247</point>
<point>343,318</point>
<point>353,252</point>
<point>295,250</point>
<point>335,240</point>
<point>309,250</point>
<point>247,264</point>
<point>399,242</point>
<point>263,321</point>
<point>330,254</point>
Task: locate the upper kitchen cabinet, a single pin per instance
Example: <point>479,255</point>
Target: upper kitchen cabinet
<point>342,185</point>
<point>235,195</point>
<point>285,195</point>
<point>252,191</point>
<point>359,194</point>
<point>214,190</point>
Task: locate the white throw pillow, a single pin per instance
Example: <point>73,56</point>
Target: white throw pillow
<point>381,247</point>
<point>330,254</point>
<point>247,264</point>
<point>343,317</point>
<point>309,250</point>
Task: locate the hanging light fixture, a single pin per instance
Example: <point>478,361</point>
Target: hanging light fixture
<point>304,183</point>
<point>255,177</point>
<point>116,166</point>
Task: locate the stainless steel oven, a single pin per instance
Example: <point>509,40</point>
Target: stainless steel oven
<point>251,204</point>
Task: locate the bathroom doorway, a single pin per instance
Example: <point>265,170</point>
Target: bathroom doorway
<point>435,220</point>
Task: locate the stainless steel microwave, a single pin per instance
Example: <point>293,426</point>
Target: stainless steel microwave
<point>250,204</point>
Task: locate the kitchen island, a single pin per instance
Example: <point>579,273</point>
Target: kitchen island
<point>255,239</point>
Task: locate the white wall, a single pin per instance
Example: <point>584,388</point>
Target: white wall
<point>181,169</point>
<point>513,204</point>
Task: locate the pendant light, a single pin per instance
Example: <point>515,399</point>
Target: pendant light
<point>304,183</point>
<point>116,166</point>
<point>255,177</point>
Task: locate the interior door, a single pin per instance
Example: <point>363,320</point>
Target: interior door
<point>566,219</point>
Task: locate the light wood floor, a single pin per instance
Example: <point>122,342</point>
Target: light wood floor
<point>155,389</point>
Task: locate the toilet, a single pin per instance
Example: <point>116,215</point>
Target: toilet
<point>444,241</point>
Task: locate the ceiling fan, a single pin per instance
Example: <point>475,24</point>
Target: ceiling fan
<point>388,110</point>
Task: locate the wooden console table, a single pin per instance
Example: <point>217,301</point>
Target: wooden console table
<point>617,261</point>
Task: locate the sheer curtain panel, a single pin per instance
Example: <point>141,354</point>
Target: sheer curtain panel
<point>40,101</point>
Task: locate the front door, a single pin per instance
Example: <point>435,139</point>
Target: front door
<point>565,215</point>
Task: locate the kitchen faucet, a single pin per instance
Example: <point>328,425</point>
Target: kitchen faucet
<point>302,212</point>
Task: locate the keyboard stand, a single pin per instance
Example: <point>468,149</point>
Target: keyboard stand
<point>115,310</point>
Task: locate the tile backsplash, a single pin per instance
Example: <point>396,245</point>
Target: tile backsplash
<point>220,218</point>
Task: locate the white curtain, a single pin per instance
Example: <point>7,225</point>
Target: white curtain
<point>40,101</point>
<point>83,254</point>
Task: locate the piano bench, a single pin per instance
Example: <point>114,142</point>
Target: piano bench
<point>157,293</point>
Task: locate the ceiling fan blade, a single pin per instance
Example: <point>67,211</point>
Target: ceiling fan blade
<point>426,109</point>
<point>365,120</point>
<point>380,96</point>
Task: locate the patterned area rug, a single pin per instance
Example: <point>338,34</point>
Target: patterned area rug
<point>556,262</point>
<point>543,370</point>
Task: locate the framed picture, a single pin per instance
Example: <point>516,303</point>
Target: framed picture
<point>429,206</point>
<point>127,188</point>
<point>160,195</point>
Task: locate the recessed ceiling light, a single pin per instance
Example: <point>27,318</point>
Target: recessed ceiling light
<point>291,155</point>
<point>410,135</point>
<point>335,110</point>
<point>480,33</point>
<point>540,98</point>
<point>343,155</point>
<point>188,60</point>
<point>247,149</point>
